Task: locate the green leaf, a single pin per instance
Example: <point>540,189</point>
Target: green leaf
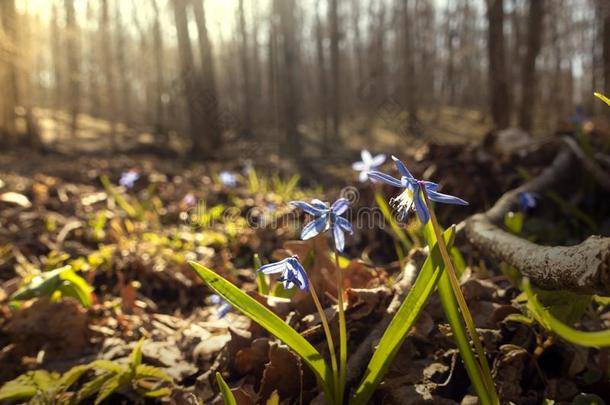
<point>548,321</point>
<point>110,386</point>
<point>108,365</point>
<point>76,286</point>
<point>22,387</point>
<point>92,386</point>
<point>514,222</point>
<point>227,395</point>
<point>158,393</point>
<point>135,359</point>
<point>146,371</point>
<point>403,320</point>
<point>261,279</point>
<point>72,375</point>
<point>274,399</point>
<point>271,322</point>
<point>42,285</point>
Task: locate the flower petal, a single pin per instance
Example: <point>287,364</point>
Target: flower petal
<point>344,224</point>
<point>319,204</point>
<point>367,158</point>
<point>384,178</point>
<point>339,238</point>
<point>363,177</point>
<point>359,166</point>
<point>445,198</point>
<point>402,169</point>
<point>273,268</point>
<point>313,228</point>
<point>430,185</point>
<point>316,212</point>
<point>300,274</point>
<point>420,208</point>
<point>378,160</point>
<point>340,206</point>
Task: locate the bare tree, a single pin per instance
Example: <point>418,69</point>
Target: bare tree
<point>605,9</point>
<point>74,67</point>
<point>245,69</point>
<point>108,72</point>
<point>528,74</point>
<point>499,88</point>
<point>8,71</point>
<point>123,65</point>
<point>158,50</point>
<point>322,74</point>
<point>409,79</point>
<point>335,63</point>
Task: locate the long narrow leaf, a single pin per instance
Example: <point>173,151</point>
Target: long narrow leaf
<point>227,395</point>
<point>270,321</point>
<point>547,320</point>
<point>403,320</point>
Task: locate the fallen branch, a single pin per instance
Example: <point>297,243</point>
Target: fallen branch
<point>584,268</point>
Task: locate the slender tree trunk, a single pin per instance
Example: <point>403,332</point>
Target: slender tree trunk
<point>108,72</point>
<point>245,69</point>
<point>8,71</point>
<point>57,60</point>
<point>288,77</point>
<point>74,68</point>
<point>410,85</point>
<point>528,74</point>
<point>158,49</point>
<point>123,66</point>
<point>208,94</point>
<point>499,87</point>
<point>605,9</point>
<point>322,78</point>
<point>333,18</point>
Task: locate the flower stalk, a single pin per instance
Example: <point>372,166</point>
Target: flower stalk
<point>342,329</point>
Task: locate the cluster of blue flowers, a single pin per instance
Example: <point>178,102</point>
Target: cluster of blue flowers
<point>328,217</point>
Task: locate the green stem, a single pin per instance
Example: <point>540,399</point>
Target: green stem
<point>329,340</point>
<point>461,301</point>
<point>342,328</point>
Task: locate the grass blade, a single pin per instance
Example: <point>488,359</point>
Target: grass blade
<point>271,322</point>
<point>227,395</point>
<point>403,320</point>
<point>548,321</point>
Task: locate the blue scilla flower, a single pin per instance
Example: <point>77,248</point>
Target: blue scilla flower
<point>411,197</point>
<point>224,307</point>
<point>129,178</point>
<point>528,200</point>
<point>367,164</point>
<point>326,217</point>
<point>293,273</point>
<point>228,179</point>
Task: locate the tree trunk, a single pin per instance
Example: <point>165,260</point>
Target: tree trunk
<point>57,60</point>
<point>8,71</point>
<point>245,68</point>
<point>498,85</point>
<point>528,74</point>
<point>322,79</point>
<point>209,102</point>
<point>605,9</point>
<point>108,72</point>
<point>158,49</point>
<point>333,18</point>
<point>74,70</point>
<point>410,85</point>
<point>288,77</point>
<point>123,66</point>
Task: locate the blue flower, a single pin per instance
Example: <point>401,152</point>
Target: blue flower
<point>528,200</point>
<point>367,164</point>
<point>293,273</point>
<point>326,217</point>
<point>228,179</point>
<point>411,197</point>
<point>129,178</point>
<point>224,307</point>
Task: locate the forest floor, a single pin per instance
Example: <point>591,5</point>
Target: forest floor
<point>132,244</point>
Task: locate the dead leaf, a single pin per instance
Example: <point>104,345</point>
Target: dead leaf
<point>16,198</point>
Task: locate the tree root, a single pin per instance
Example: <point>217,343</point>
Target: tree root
<point>584,268</point>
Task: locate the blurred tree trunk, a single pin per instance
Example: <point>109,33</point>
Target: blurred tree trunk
<point>257,79</point>
<point>108,72</point>
<point>605,9</point>
<point>56,56</point>
<point>333,19</point>
<point>499,87</point>
<point>408,60</point>
<point>528,74</point>
<point>322,79</point>
<point>8,71</point>
<point>93,65</point>
<point>74,67</point>
<point>123,66</point>
<point>203,140</point>
<point>287,76</point>
<point>208,97</point>
<point>158,50</point>
<point>245,68</point>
